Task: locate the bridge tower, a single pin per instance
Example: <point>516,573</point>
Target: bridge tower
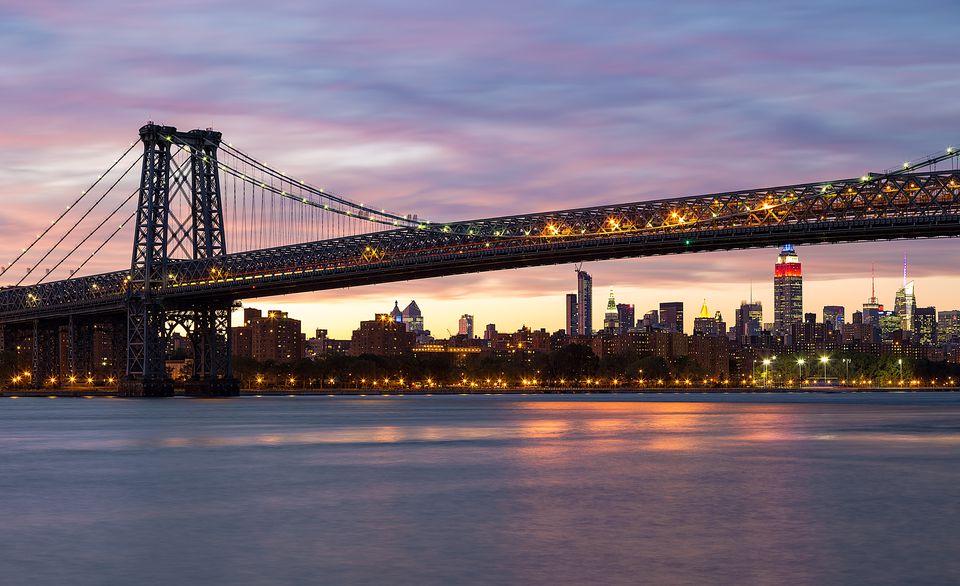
<point>190,172</point>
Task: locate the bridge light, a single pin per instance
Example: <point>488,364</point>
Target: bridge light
<point>865,177</point>
<point>906,165</point>
<point>950,150</point>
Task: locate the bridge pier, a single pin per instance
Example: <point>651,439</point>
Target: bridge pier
<point>46,355</point>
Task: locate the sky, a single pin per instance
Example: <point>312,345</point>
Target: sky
<point>463,110</point>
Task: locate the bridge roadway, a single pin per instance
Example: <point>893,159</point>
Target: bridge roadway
<point>916,205</point>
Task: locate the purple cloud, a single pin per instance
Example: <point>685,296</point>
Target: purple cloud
<point>459,111</point>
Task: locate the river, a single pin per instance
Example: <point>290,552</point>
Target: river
<point>611,489</point>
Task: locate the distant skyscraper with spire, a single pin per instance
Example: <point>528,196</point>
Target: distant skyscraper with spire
<point>905,305</point>
<point>395,314</point>
<point>787,290</point>
<point>872,308</point>
<point>611,318</point>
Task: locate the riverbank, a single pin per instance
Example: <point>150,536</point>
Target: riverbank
<point>89,393</point>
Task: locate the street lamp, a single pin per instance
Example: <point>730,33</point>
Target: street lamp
<point>824,360</point>
<point>766,366</point>
<point>900,362</point>
<point>800,363</point>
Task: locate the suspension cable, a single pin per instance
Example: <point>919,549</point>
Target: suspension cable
<point>77,223</point>
<point>88,236</point>
<point>83,194</point>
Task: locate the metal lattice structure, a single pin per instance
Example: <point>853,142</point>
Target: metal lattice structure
<point>181,271</point>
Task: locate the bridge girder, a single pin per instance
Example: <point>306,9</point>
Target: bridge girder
<point>919,205</point>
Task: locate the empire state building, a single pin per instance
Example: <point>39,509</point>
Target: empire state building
<point>787,290</point>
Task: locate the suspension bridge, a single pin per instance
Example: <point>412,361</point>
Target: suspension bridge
<point>211,225</point>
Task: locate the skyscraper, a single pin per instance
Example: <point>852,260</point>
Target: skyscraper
<point>705,323</point>
<point>905,304</point>
<point>571,314</point>
<point>611,317</point>
<point>787,290</point>
<point>749,320</point>
<point>948,325</point>
<point>466,326</point>
<point>651,320</point>
<point>412,316</point>
<point>671,316</point>
<point>925,325</point>
<point>584,303</point>
<point>872,309</point>
<point>628,316</point>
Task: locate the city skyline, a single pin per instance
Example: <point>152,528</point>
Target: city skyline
<point>548,310</point>
<point>498,124</point>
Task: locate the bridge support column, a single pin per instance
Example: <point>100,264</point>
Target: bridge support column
<point>46,354</point>
<point>146,352</point>
<point>212,368</point>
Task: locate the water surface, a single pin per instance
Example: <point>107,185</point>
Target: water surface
<point>799,489</point>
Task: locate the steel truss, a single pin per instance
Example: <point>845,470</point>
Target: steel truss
<point>181,272</point>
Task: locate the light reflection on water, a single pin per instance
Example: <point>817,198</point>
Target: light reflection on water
<point>481,490</point>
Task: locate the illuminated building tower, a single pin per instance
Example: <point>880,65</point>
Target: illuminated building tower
<point>948,325</point>
<point>412,316</point>
<point>787,290</point>
<point>571,314</point>
<point>704,323</point>
<point>584,303</point>
<point>925,325</point>
<point>872,309</point>
<point>611,318</point>
<point>395,314</point>
<point>628,316</point>
<point>466,326</point>
<point>905,304</point>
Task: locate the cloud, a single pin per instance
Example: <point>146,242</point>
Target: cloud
<point>461,110</point>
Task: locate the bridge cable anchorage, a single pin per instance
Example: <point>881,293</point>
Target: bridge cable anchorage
<point>78,222</point>
<point>54,223</point>
<point>88,236</point>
